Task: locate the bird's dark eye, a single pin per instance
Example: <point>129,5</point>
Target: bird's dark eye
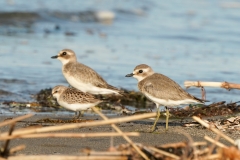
<point>64,53</point>
<point>140,71</point>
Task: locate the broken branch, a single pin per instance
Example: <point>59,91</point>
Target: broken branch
<point>225,85</point>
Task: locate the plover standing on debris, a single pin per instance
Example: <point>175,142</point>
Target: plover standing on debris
<point>81,76</point>
<point>161,90</point>
<point>73,99</point>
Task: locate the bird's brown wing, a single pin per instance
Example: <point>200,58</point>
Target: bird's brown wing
<point>88,75</point>
<point>162,87</point>
<point>72,95</point>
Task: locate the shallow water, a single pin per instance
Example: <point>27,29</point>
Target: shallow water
<point>191,40</point>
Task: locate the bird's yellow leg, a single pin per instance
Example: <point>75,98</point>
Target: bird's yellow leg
<point>78,114</point>
<point>81,113</point>
<point>167,116</point>
<point>157,118</point>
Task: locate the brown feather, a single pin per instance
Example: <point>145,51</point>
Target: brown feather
<point>160,86</point>
<point>72,95</point>
<point>88,75</point>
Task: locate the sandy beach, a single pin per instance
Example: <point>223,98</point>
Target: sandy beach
<point>73,146</point>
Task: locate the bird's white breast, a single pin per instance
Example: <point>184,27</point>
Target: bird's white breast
<point>77,106</point>
<point>169,102</point>
<point>87,87</point>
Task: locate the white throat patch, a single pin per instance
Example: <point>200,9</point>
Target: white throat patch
<point>139,78</point>
<point>64,61</point>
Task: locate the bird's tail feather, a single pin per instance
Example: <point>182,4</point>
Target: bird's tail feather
<point>201,100</point>
<point>117,91</point>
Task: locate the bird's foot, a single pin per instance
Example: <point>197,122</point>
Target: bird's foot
<point>76,117</point>
<point>153,129</point>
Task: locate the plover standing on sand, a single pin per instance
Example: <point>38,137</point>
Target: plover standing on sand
<point>81,76</point>
<point>73,99</point>
<point>161,90</point>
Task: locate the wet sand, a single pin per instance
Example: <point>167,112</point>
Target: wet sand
<point>73,146</point>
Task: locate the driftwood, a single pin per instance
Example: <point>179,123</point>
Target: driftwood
<point>225,85</point>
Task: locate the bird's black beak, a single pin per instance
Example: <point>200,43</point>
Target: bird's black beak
<point>129,75</point>
<point>55,56</point>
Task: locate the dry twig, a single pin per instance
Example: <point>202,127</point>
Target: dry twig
<point>80,125</point>
<point>214,129</point>
<point>213,157</point>
<point>211,148</point>
<point>199,143</point>
<point>215,142</point>
<point>15,120</point>
<point>112,153</point>
<point>124,136</point>
<point>69,135</point>
<point>5,152</point>
<point>67,157</point>
<point>164,153</point>
<point>17,148</point>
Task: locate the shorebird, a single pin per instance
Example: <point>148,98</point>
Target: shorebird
<point>73,99</point>
<point>81,76</point>
<point>161,90</point>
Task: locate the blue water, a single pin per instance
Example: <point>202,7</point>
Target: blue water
<point>185,40</point>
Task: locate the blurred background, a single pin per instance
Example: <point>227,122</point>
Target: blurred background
<point>185,40</point>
